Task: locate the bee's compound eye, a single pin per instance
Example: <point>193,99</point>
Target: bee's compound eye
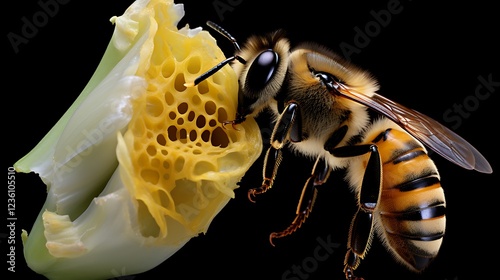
<point>262,69</point>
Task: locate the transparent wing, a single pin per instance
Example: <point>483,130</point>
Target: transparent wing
<point>430,132</point>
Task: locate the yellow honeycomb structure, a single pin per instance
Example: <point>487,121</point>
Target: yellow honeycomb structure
<point>183,163</point>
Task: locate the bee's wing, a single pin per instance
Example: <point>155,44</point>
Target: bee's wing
<point>430,132</point>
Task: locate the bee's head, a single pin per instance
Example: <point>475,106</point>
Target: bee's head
<point>261,78</point>
<point>261,67</point>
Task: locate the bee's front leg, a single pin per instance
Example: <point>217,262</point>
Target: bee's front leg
<point>272,161</point>
<point>288,127</point>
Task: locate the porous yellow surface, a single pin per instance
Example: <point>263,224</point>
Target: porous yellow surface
<point>181,164</point>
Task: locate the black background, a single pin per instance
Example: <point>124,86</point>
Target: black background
<point>428,57</point>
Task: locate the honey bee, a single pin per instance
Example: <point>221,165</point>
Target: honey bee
<point>324,108</point>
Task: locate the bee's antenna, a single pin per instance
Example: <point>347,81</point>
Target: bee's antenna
<point>217,67</point>
<point>224,33</point>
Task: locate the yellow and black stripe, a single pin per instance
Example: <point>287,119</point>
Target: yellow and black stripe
<point>410,217</point>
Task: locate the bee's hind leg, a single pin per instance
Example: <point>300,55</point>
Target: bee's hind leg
<point>361,231</point>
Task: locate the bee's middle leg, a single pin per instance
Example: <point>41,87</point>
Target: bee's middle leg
<point>319,175</point>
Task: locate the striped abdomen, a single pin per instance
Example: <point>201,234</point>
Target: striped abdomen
<point>410,217</point>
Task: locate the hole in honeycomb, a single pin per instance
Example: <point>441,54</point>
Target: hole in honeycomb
<point>194,65</point>
<point>150,176</point>
<point>210,189</point>
<point>196,100</point>
<point>165,200</point>
<point>182,108</point>
<point>179,82</point>
<point>172,133</point>
<point>179,164</point>
<point>166,164</point>
<point>201,121</point>
<point>180,121</point>
<point>197,152</point>
<point>191,116</point>
<point>219,138</point>
<point>151,150</point>
<point>172,115</point>
<point>203,167</point>
<point>169,98</point>
<point>154,106</point>
<point>160,139</point>
<point>210,107</point>
<point>183,192</point>
<point>222,115</point>
<point>168,68</point>
<point>205,136</point>
<point>212,123</point>
<point>148,225</point>
<point>193,135</point>
<point>203,87</point>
